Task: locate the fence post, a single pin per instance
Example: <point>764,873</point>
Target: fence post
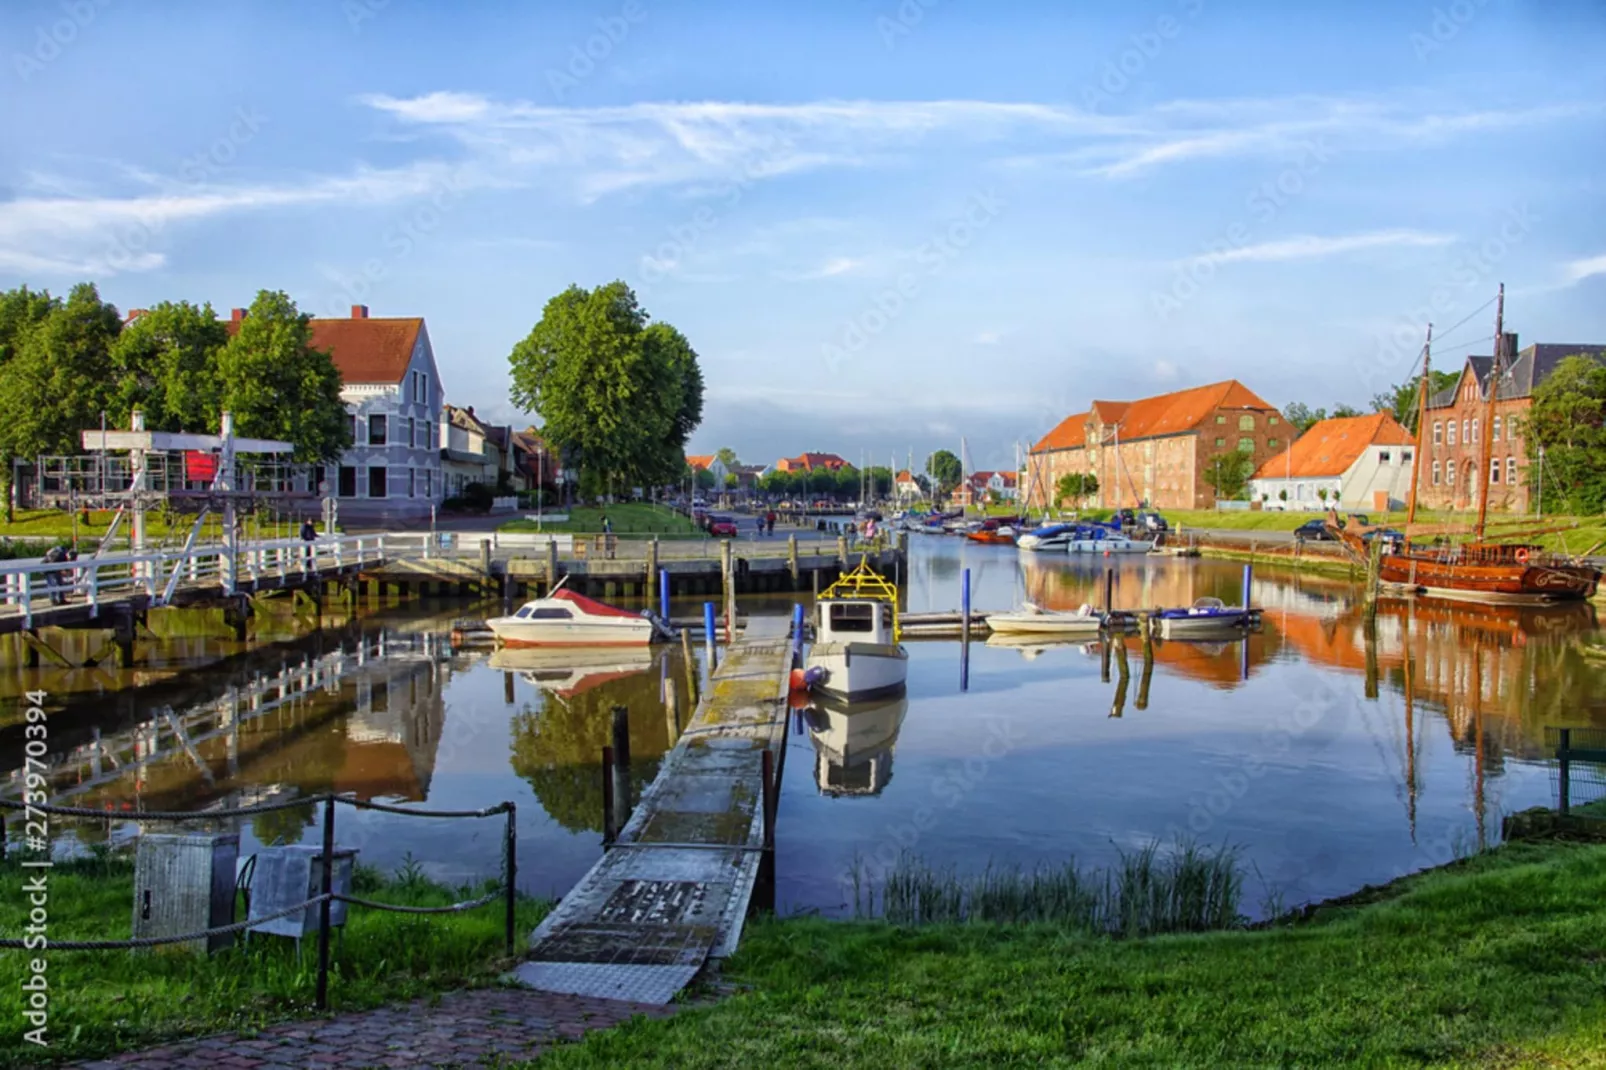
<point>1562,753</point>
<point>512,871</point>
<point>323,907</point>
<point>607,797</point>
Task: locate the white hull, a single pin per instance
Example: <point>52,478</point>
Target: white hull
<point>1116,545</point>
<point>1044,623</point>
<point>601,632</point>
<point>1052,544</point>
<point>855,671</point>
<point>1173,627</point>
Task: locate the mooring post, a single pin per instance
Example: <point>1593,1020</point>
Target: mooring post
<point>663,591</point>
<point>691,665</point>
<point>485,558</point>
<point>608,825</point>
<point>507,688</point>
<point>711,637</point>
<point>621,762</point>
<point>652,563</point>
<point>1563,759</point>
<point>551,563</point>
<point>797,635</point>
<point>964,631</point>
<point>842,551</point>
<point>791,557</point>
<point>512,876</point>
<point>1109,590</point>
<point>328,885</point>
<point>1249,580</point>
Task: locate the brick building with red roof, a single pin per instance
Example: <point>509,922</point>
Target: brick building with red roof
<point>1156,450</point>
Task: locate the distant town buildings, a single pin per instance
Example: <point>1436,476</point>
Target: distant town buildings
<point>1356,462</point>
<point>982,487</point>
<point>808,462</point>
<point>1156,450</point>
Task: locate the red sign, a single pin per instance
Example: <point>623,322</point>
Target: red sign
<point>199,466</point>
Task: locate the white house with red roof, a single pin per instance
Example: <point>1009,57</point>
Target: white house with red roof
<point>1354,462</point>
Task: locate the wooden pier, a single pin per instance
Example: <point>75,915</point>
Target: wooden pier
<point>674,888</point>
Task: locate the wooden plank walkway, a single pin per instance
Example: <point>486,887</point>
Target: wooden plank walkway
<point>675,889</point>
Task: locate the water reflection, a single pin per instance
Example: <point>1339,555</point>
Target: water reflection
<point>853,744</point>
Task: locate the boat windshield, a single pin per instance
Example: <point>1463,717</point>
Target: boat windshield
<point>523,612</point>
<point>853,617</point>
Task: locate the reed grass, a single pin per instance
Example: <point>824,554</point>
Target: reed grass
<point>1180,888</point>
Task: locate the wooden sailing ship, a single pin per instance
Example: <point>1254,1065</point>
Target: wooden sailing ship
<point>1483,568</point>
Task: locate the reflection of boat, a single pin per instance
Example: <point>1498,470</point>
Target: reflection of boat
<point>568,619</point>
<point>856,653</point>
<point>568,672</point>
<point>1033,646</point>
<point>853,744</point>
<point>1032,619</point>
<point>1207,616</point>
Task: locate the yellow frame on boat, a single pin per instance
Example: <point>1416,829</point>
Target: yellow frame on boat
<point>864,582</point>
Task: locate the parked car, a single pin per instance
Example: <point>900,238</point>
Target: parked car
<point>1360,518</point>
<point>1388,535</point>
<point>722,526</point>
<point>1314,530</point>
<point>1125,518</point>
<point>1153,522</point>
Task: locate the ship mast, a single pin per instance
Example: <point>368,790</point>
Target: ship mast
<point>1484,439</point>
<point>1421,424</point>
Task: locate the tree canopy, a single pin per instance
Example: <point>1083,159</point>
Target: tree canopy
<point>1076,486</point>
<point>1401,401</point>
<point>944,468</point>
<point>1568,420</point>
<point>624,394</point>
<point>278,386</point>
<point>1228,474</point>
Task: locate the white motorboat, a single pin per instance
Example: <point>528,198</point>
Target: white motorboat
<point>856,654</point>
<point>1052,538</point>
<point>853,744</point>
<point>1206,617</point>
<point>1032,619</point>
<point>1105,541</point>
<point>564,618</point>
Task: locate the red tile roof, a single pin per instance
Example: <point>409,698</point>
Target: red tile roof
<point>699,461</point>
<point>1330,447</point>
<point>364,349</point>
<point>1163,414</point>
<point>1069,434</point>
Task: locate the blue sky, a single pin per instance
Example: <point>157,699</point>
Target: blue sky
<point>882,227</point>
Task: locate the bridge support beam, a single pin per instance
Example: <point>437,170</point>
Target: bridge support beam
<point>237,613</point>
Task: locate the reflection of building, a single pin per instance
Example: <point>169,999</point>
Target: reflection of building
<point>853,745</point>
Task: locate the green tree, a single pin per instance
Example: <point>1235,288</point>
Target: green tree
<point>944,468</point>
<point>1228,474</point>
<point>1401,401</point>
<point>165,363</point>
<point>1076,486</point>
<point>624,395</point>
<point>20,311</point>
<point>1568,421</point>
<point>56,385</point>
<point>278,386</point>
<point>1344,412</point>
<point>727,457</point>
<point>1302,417</point>
<point>703,479</point>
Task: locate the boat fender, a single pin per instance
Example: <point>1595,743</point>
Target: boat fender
<point>814,677</point>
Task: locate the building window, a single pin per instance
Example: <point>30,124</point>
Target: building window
<point>1435,473</point>
<point>423,387</point>
<point>1247,445</point>
<point>1494,469</point>
<point>1220,419</point>
<point>376,429</point>
<point>1511,469</point>
<point>1438,433</point>
<point>429,479</point>
<point>1405,456</point>
<point>1246,423</point>
<point>351,427</point>
<point>1450,436</point>
<point>1475,429</point>
<point>412,433</point>
<point>1449,472</point>
<point>1271,421</point>
<point>1221,442</point>
<point>1383,456</point>
<point>377,477</point>
<point>348,481</point>
<point>1272,443</point>
<point>1494,430</point>
<point>412,482</point>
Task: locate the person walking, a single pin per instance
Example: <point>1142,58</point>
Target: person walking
<point>54,556</point>
<point>769,519</point>
<point>309,535</point>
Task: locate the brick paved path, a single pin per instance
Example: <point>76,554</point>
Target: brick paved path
<point>464,1029</point>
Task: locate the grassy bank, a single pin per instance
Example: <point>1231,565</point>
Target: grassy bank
<point>1322,564</point>
<point>108,1001</point>
<point>634,518</point>
<point>1495,961</point>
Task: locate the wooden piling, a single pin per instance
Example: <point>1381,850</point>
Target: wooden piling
<point>791,557</point>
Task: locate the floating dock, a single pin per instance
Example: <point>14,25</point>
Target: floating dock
<point>674,888</point>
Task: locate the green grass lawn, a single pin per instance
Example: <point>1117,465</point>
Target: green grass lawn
<point>108,1001</point>
<point>633,518</point>
<point>1589,532</point>
<point>56,524</point>
<point>1498,961</point>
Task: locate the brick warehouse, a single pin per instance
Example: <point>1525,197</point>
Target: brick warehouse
<point>1157,450</point>
<point>1452,440</point>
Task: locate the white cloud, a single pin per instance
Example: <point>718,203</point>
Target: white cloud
<point>1310,247</point>
<point>830,269</point>
<point>1165,371</point>
<point>988,338</point>
<point>1579,270</point>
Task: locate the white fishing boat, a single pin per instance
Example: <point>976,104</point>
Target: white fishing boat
<point>1206,617</point>
<point>853,744</point>
<point>1105,541</point>
<point>856,654</point>
<point>565,618</point>
<point>1032,619</point>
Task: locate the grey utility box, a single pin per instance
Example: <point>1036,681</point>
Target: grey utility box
<point>292,874</point>
<point>184,884</point>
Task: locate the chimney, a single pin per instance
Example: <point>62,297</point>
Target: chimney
<point>237,315</point>
<point>471,410</point>
<point>359,312</point>
<point>1511,347</point>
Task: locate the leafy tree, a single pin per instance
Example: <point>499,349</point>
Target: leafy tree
<point>1076,486</point>
<point>1282,495</point>
<point>1568,421</point>
<point>20,310</point>
<point>1401,401</point>
<point>1321,492</point>
<point>1344,412</point>
<point>278,386</point>
<point>165,363</point>
<point>1228,474</point>
<point>703,479</point>
<point>625,394</point>
<point>55,386</point>
<point>730,481</point>
<point>944,468</point>
<point>727,457</point>
<point>1302,417</point>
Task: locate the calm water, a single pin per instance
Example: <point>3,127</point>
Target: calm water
<point>1330,761</point>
